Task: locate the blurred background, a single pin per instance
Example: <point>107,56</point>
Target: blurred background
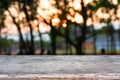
<point>59,27</point>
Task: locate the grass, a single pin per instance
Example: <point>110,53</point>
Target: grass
<point>87,52</point>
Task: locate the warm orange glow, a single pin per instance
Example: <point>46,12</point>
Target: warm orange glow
<point>87,1</point>
<point>89,22</point>
<point>64,21</point>
<point>72,12</point>
<point>101,14</point>
<point>118,12</point>
<point>71,4</point>
<point>55,22</point>
<point>13,11</point>
<point>43,27</point>
<point>21,16</point>
<point>47,11</point>
<point>96,19</point>
<point>64,25</point>
<point>69,17</point>
<point>35,22</point>
<point>44,4</point>
<point>61,3</point>
<point>115,2</point>
<point>77,5</point>
<point>78,18</point>
<point>24,29</point>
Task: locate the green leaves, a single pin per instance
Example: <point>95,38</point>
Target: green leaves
<point>1,25</point>
<point>106,4</point>
<point>4,43</point>
<point>119,1</point>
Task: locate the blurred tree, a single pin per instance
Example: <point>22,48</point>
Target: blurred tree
<point>107,7</point>
<point>60,14</point>
<point>66,14</point>
<point>4,44</point>
<point>2,17</point>
<point>41,41</point>
<point>5,5</point>
<point>118,18</point>
<point>1,25</point>
<point>28,8</point>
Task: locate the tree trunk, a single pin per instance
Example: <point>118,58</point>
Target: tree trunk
<point>94,36</point>
<point>113,45</point>
<point>107,36</point>
<point>23,46</point>
<point>119,37</point>
<point>53,40</point>
<point>79,47</point>
<point>113,48</point>
<point>41,41</point>
<point>78,34</point>
<point>0,32</point>
<point>94,39</point>
<point>67,36</point>
<point>82,39</point>
<point>32,48</point>
<point>70,47</point>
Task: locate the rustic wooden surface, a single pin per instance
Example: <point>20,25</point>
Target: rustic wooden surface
<point>59,67</point>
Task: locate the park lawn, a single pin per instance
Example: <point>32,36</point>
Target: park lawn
<point>87,52</point>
